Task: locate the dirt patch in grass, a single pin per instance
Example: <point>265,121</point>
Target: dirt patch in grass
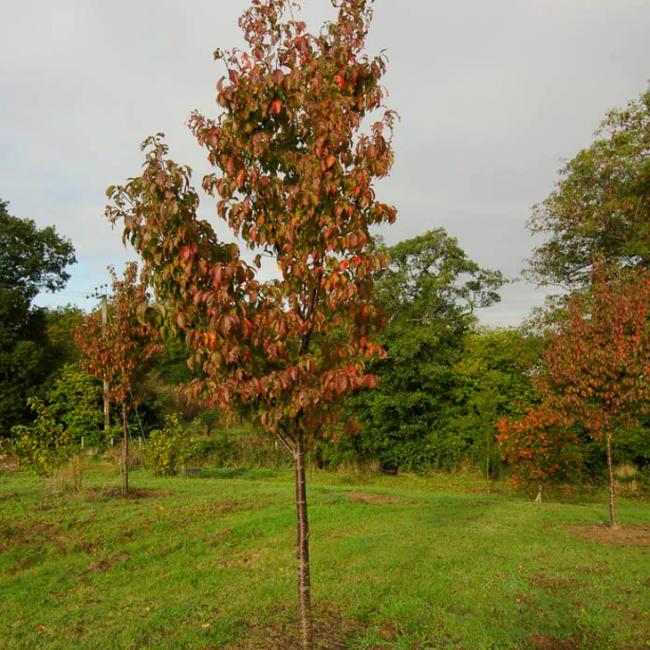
<point>626,535</point>
<point>220,538</point>
<point>101,565</point>
<point>95,494</point>
<point>249,559</point>
<point>552,584</point>
<point>331,632</point>
<point>39,534</point>
<point>27,534</point>
<point>373,498</point>
<point>542,642</point>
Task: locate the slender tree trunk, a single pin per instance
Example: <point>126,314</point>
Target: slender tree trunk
<point>613,520</point>
<point>125,453</point>
<point>538,498</point>
<point>302,545</point>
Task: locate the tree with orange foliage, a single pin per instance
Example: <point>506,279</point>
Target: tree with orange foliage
<point>294,178</point>
<point>117,350</point>
<point>597,367</point>
<point>541,446</point>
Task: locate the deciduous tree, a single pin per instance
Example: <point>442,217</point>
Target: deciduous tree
<point>598,364</point>
<point>596,370</point>
<point>601,205</point>
<point>31,260</point>
<point>430,292</point>
<point>294,178</point>
<point>539,447</point>
<point>118,350</point>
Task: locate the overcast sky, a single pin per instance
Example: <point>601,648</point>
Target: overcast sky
<point>493,96</point>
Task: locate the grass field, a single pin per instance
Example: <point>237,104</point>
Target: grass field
<point>397,562</point>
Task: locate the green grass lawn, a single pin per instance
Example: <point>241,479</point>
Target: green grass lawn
<point>397,562</point>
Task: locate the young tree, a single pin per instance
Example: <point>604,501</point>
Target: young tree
<point>295,183</point>
<point>598,363</point>
<point>117,351</point>
<point>539,446</point>
<point>596,370</point>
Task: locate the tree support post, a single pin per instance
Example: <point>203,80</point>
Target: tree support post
<point>613,520</point>
<point>125,453</point>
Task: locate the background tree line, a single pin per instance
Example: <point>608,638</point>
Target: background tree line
<point>445,381</point>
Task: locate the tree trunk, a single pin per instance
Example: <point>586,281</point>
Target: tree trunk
<point>302,545</point>
<point>613,520</point>
<point>125,453</point>
<point>538,498</point>
<point>107,409</point>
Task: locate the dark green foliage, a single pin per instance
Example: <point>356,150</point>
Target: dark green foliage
<point>171,363</point>
<point>75,400</point>
<point>31,260</point>
<point>430,292</point>
<point>67,418</point>
<point>601,205</point>
<point>42,447</point>
<point>60,323</point>
<point>492,380</point>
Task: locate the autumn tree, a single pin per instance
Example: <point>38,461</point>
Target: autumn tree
<point>598,364</point>
<point>294,173</point>
<point>596,370</point>
<point>600,207</point>
<point>539,447</point>
<point>116,351</point>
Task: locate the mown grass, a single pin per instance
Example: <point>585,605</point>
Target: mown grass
<point>397,562</point>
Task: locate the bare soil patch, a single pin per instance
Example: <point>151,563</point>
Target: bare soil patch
<point>95,494</point>
<point>104,564</point>
<point>373,498</point>
<point>542,642</point>
<point>331,632</point>
<point>626,535</point>
<point>552,584</point>
<point>25,534</point>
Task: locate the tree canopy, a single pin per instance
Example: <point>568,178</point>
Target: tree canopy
<point>31,260</point>
<point>429,292</point>
<point>600,208</point>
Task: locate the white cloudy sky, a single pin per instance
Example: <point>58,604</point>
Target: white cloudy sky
<point>493,96</point>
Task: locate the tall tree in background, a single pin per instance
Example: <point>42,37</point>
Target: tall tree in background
<point>601,206</point>
<point>118,350</point>
<point>492,381</point>
<point>430,292</point>
<point>295,183</point>
<point>31,260</point>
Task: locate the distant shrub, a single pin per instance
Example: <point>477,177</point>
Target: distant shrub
<point>169,447</point>
<point>43,446</point>
<point>75,400</point>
